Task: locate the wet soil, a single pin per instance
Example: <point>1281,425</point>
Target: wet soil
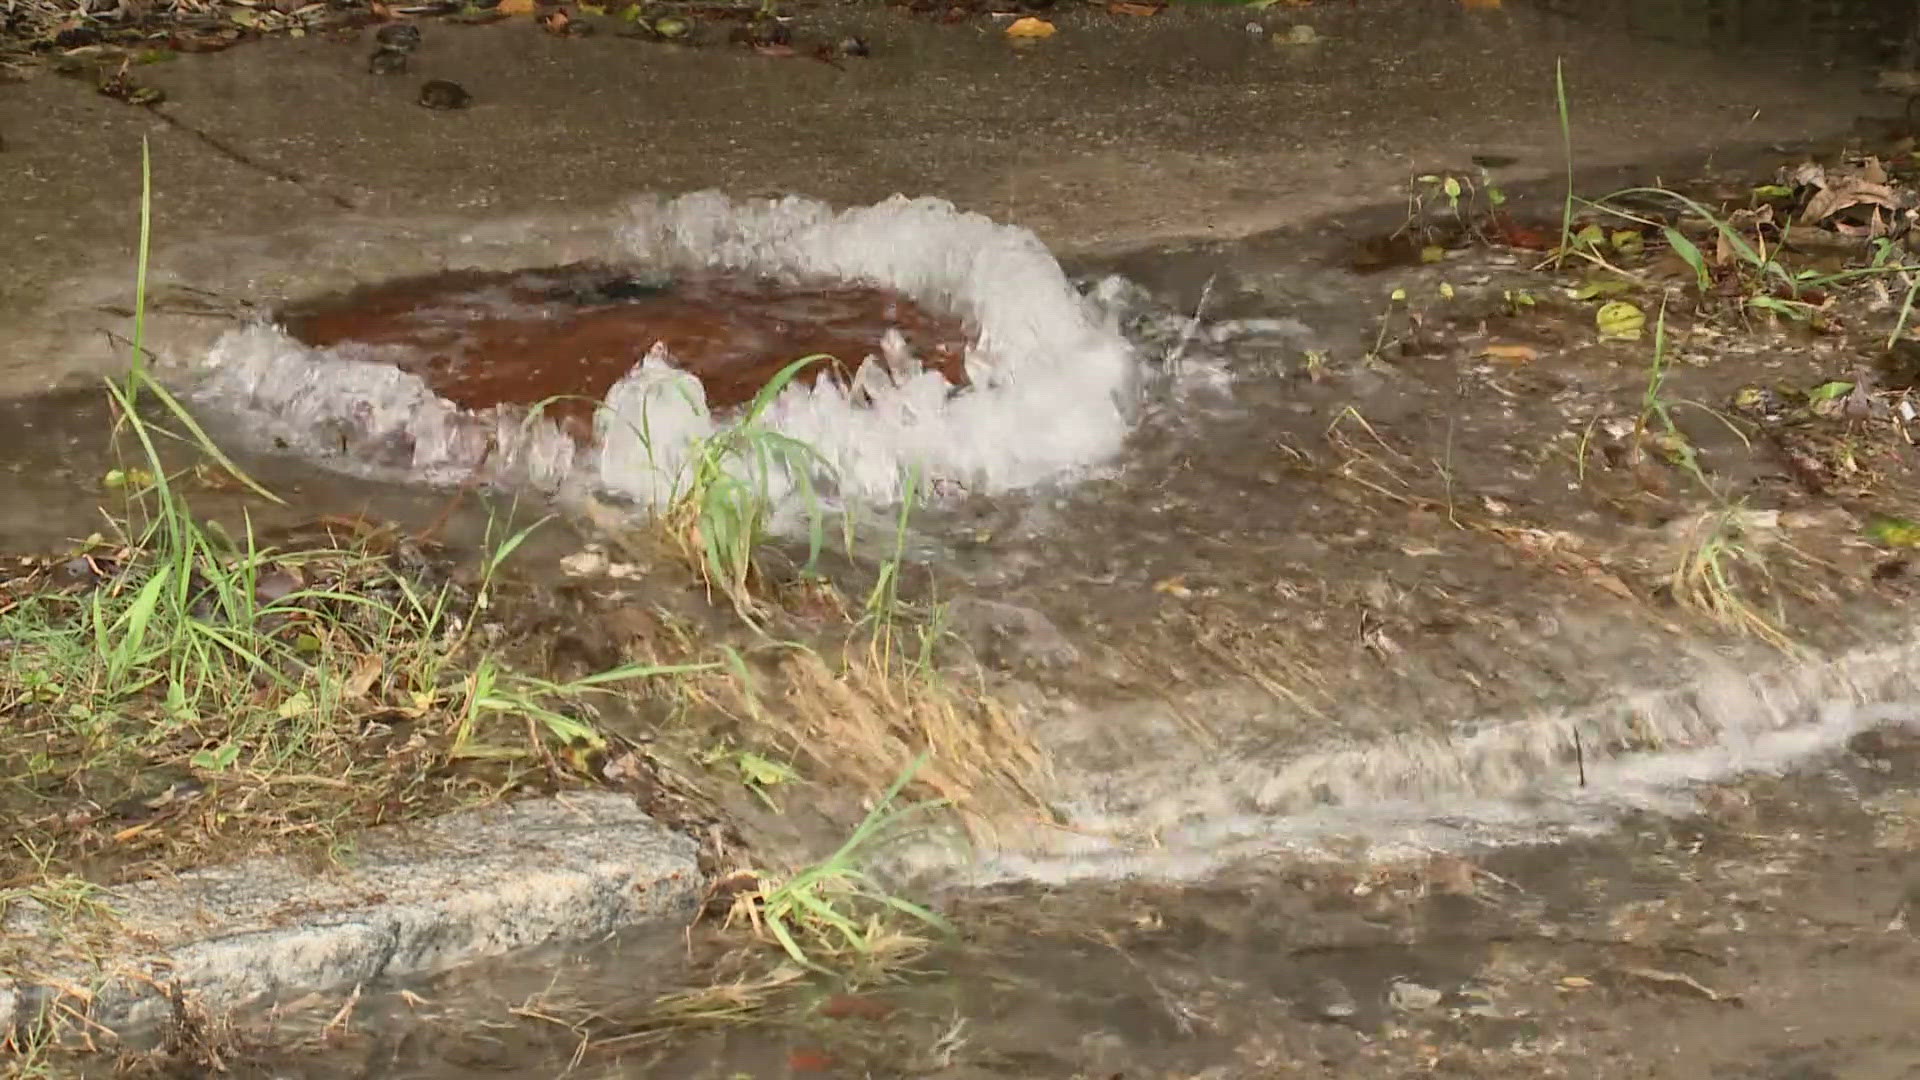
<point>486,339</point>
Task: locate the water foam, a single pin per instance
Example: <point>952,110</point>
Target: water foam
<point>1053,383</point>
<point>1184,816</point>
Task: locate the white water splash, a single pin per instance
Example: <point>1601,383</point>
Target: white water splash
<point>1183,816</point>
<point>1053,382</point>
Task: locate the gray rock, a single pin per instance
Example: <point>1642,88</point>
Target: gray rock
<point>411,901</point>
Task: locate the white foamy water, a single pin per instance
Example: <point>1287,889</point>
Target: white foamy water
<point>1183,815</point>
<point>1053,383</point>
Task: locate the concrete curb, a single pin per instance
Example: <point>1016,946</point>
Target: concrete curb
<point>412,900</point>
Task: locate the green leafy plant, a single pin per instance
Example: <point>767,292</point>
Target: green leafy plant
<point>724,505</point>
<point>835,909</point>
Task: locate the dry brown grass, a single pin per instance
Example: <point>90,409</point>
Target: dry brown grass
<point>866,718</point>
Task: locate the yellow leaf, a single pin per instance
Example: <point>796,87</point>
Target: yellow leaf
<point>1027,27</point>
<point>515,7</point>
<point>1620,320</point>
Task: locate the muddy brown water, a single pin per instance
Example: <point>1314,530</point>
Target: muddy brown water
<point>486,339</point>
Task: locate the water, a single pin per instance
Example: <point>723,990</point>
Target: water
<point>1050,382</point>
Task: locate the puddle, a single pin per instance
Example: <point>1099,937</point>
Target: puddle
<point>989,371</point>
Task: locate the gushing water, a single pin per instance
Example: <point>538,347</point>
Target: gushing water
<point>1050,381</point>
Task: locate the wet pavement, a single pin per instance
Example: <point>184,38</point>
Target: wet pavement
<point>1117,132</point>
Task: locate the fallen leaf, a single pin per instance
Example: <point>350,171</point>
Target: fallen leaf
<point>1030,27</point>
<point>1512,353</point>
<point>364,675</point>
<point>625,769</point>
<point>1576,982</point>
<point>1845,194</point>
<point>1620,321</point>
<point>515,7</point>
<point>1675,978</point>
<point>1129,7</point>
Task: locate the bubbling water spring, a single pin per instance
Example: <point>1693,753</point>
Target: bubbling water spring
<point>961,354</point>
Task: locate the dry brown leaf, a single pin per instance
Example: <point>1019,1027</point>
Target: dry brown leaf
<point>515,7</point>
<point>1030,27</point>
<point>1847,192</point>
<point>364,675</point>
<point>1512,353</point>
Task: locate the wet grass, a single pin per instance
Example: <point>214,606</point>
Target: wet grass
<point>834,916</point>
<point>174,693</point>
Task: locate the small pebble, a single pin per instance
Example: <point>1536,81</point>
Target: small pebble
<point>387,62</point>
<point>402,36</point>
<point>441,94</point>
